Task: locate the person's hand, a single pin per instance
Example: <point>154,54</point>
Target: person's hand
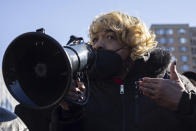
<point>76,93</point>
<point>166,92</point>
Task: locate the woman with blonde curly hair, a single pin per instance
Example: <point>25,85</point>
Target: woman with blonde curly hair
<point>129,30</point>
<point>126,51</point>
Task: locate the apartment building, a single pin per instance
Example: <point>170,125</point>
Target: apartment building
<point>180,39</point>
<point>193,46</point>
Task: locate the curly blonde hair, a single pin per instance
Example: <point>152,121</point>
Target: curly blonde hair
<point>129,30</point>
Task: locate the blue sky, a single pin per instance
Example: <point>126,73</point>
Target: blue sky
<point>62,18</point>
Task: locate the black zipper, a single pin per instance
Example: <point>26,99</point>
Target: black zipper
<point>122,93</point>
<point>136,115</point>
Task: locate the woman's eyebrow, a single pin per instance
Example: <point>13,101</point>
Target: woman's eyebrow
<point>109,30</point>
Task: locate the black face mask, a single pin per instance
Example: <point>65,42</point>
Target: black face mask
<point>107,64</point>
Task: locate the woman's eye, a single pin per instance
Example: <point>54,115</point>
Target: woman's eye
<point>110,37</point>
<point>95,40</point>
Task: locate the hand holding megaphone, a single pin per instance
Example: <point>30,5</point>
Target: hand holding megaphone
<point>77,92</point>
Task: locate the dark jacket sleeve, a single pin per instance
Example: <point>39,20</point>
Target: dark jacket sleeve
<point>187,106</point>
<point>71,120</point>
<point>187,101</point>
<point>187,110</point>
<point>36,120</point>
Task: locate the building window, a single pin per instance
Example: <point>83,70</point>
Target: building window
<point>182,40</point>
<point>184,58</point>
<point>172,49</point>
<point>173,58</point>
<point>160,31</point>
<point>194,61</point>
<point>193,41</point>
<point>181,31</point>
<point>170,32</point>
<point>164,48</point>
<point>193,33</point>
<point>170,40</point>
<point>183,48</point>
<point>162,40</point>
<point>193,50</point>
<point>168,48</point>
<point>185,67</point>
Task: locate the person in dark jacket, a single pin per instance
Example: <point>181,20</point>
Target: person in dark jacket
<point>35,120</point>
<point>126,52</point>
<point>10,121</point>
